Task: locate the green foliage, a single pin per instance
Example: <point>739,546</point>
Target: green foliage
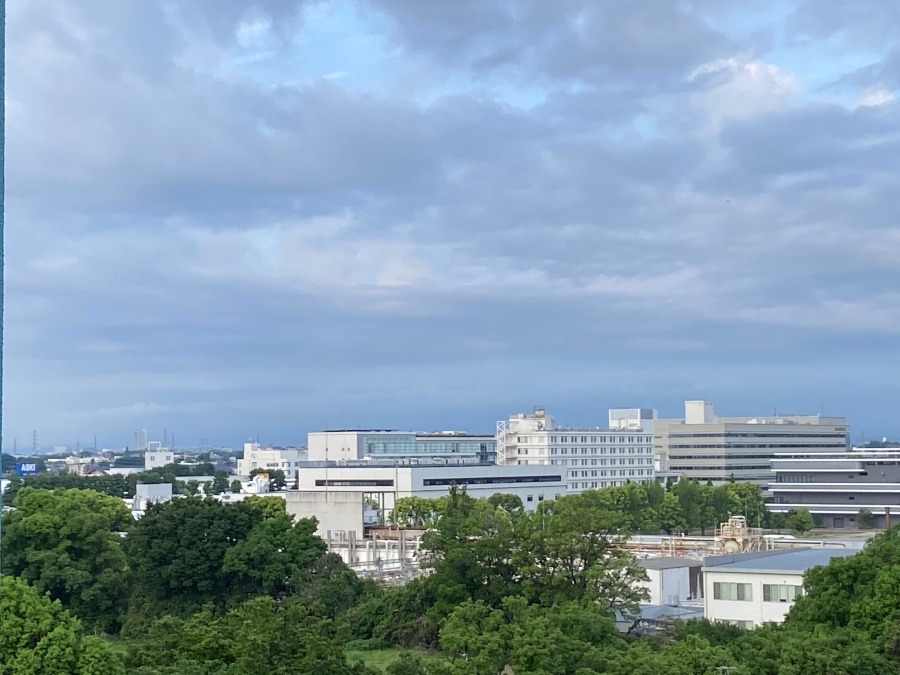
<point>272,554</point>
<point>800,521</point>
<point>65,543</point>
<point>177,551</point>
<point>115,486</point>
<point>39,636</point>
<point>235,486</point>
<point>417,511</point>
<point>865,519</point>
<point>259,636</point>
<point>271,507</point>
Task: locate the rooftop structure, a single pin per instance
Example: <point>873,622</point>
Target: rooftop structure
<point>270,458</point>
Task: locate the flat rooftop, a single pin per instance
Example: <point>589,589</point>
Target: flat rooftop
<point>789,561</point>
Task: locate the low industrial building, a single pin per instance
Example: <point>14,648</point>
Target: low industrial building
<point>837,486</point>
<point>156,457</point>
<point>337,494</point>
<point>750,589</point>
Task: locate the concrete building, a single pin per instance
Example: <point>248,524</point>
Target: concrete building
<point>589,457</point>
<point>837,485</point>
<point>271,458</point>
<point>672,581</point>
<point>749,589</point>
<point>141,440</point>
<point>390,446</point>
<point>156,456</point>
<point>337,494</point>
<point>706,447</point>
<point>146,494</point>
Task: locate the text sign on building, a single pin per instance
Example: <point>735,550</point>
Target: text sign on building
<point>26,468</point>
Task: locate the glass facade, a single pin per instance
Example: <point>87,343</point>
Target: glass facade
<point>476,448</point>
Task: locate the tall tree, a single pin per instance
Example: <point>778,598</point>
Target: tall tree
<point>66,543</point>
<point>177,550</point>
<point>39,636</point>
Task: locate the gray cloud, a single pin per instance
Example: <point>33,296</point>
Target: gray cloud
<point>676,216</point>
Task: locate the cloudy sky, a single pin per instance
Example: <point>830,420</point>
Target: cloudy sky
<point>227,219</point>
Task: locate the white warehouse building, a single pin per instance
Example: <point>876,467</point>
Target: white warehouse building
<point>750,589</point>
<point>589,457</point>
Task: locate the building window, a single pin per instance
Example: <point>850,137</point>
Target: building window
<point>529,498</point>
<point>732,591</point>
<point>781,592</point>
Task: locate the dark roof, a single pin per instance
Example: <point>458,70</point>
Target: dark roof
<point>791,561</point>
<point>669,563</point>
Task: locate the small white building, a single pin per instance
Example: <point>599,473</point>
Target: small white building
<point>156,457</point>
<point>672,581</point>
<point>270,458</point>
<point>146,494</point>
<point>750,589</point>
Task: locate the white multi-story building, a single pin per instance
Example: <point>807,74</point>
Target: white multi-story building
<point>591,457</point>
<point>271,458</point>
<point>706,447</point>
<point>750,589</point>
<point>157,456</point>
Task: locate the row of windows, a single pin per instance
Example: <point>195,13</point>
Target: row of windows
<point>726,467</point>
<point>781,592</point>
<point>744,592</point>
<point>603,462</point>
<point>794,478</point>
<point>773,445</point>
<point>602,472</point>
<point>594,484</point>
<point>491,480</point>
<point>761,433</point>
<point>586,439</point>
<point>723,590</point>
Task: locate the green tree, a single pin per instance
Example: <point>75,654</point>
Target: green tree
<point>270,507</point>
<point>512,504</point>
<point>235,486</point>
<point>40,636</point>
<point>865,519</point>
<point>691,499</point>
<point>177,550</point>
<point>571,549</point>
<point>274,552</point>
<point>259,636</point>
<point>671,517</point>
<point>800,520</point>
<point>825,651</point>
<point>66,543</point>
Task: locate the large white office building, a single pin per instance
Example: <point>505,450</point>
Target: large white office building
<point>589,457</point>
<point>707,447</point>
<point>269,458</point>
<point>337,494</point>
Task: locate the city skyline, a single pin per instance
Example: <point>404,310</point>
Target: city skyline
<point>232,221</point>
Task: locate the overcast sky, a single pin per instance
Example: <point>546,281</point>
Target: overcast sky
<point>228,219</point>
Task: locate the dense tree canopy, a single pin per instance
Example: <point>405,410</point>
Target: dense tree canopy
<point>216,589</point>
<point>66,543</point>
